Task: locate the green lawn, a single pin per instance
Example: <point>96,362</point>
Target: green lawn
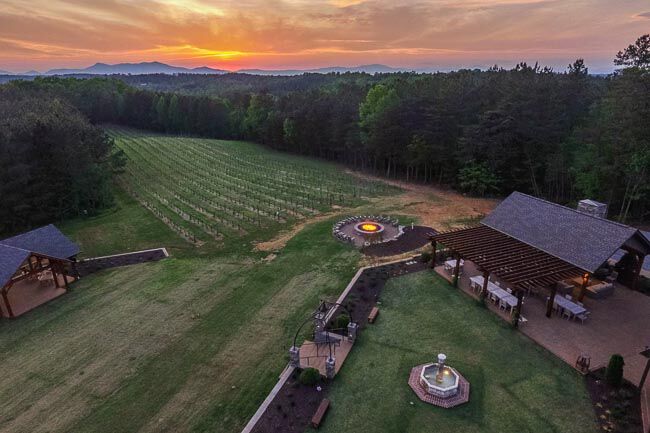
<point>185,344</point>
<point>516,386</point>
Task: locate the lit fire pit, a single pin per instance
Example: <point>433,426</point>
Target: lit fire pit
<point>364,230</point>
<point>369,228</point>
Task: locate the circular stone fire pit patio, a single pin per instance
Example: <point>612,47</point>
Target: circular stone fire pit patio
<point>439,385</point>
<point>367,230</point>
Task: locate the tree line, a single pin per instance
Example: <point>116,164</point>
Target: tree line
<point>54,163</point>
<point>559,135</point>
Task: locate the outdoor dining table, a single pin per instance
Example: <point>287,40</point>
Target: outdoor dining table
<point>451,264</point>
<point>498,292</point>
<point>571,306</point>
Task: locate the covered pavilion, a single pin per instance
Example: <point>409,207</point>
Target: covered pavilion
<point>532,245</point>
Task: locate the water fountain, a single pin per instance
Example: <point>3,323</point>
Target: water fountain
<point>439,384</point>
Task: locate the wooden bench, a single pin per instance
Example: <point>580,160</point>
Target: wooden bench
<point>320,413</point>
<point>373,315</point>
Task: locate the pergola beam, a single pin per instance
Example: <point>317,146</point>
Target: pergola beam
<point>515,262</point>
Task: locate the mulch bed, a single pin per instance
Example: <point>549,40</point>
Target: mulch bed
<point>295,404</point>
<point>617,410</point>
<point>411,239</point>
<point>88,266</point>
<point>293,407</point>
<point>365,292</point>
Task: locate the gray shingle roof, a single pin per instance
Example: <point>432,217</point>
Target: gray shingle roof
<point>580,239</point>
<point>48,241</point>
<point>10,260</point>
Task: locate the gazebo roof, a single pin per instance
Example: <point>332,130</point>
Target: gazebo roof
<point>47,241</point>
<point>583,240</point>
<point>10,260</point>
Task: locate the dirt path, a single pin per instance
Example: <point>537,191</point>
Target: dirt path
<point>435,207</point>
<point>431,206</point>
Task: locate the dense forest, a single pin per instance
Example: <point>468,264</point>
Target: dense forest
<point>53,162</point>
<point>562,135</point>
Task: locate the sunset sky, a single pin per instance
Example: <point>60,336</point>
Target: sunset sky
<point>273,34</point>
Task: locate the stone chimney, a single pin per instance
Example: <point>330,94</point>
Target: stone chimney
<point>593,208</point>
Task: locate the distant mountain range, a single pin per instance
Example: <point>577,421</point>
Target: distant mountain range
<point>162,68</point>
<point>369,69</point>
<point>135,69</point>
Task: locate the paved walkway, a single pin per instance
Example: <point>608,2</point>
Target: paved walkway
<point>314,355</point>
<point>88,266</point>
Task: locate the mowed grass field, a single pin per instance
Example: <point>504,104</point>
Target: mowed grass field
<point>185,344</point>
<point>194,342</point>
<point>516,386</point>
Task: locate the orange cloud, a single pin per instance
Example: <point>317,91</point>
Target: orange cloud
<point>45,34</point>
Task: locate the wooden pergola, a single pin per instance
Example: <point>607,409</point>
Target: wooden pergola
<point>522,266</point>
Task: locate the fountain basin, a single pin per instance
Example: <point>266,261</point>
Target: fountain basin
<point>441,381</point>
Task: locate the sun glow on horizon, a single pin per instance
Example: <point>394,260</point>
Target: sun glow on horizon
<point>444,34</point>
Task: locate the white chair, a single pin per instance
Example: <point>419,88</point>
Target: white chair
<point>583,316</point>
<point>567,297</point>
<point>567,314</point>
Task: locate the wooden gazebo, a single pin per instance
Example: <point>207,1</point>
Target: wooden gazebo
<point>35,266</point>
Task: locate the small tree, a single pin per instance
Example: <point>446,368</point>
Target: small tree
<point>614,372</point>
<point>477,178</point>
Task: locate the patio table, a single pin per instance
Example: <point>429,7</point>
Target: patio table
<point>477,283</point>
<point>451,264</point>
<point>566,304</point>
<point>504,295</point>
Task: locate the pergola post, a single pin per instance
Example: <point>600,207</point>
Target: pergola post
<point>644,376</point>
<point>583,287</point>
<point>520,301</point>
<point>6,299</point>
<point>65,279</point>
<point>457,270</point>
<point>434,247</point>
<point>637,273</point>
<point>54,275</point>
<point>486,279</point>
<point>551,301</point>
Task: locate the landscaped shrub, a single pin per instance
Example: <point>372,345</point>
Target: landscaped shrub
<point>425,257</point>
<point>341,321</point>
<point>614,372</point>
<point>309,376</point>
